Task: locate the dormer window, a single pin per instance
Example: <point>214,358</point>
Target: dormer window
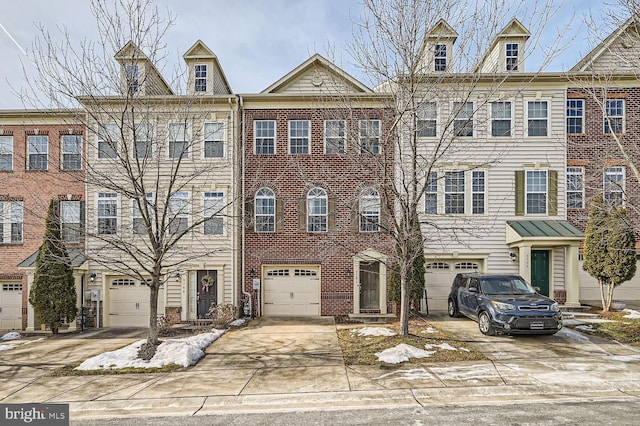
<point>440,53</point>
<point>511,55</point>
<point>133,77</point>
<point>200,78</point>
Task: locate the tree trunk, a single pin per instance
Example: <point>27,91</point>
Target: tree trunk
<point>404,300</point>
<point>152,334</point>
<point>609,296</point>
<point>604,305</point>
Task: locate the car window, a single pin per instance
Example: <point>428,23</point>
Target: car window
<point>505,286</point>
<point>521,287</point>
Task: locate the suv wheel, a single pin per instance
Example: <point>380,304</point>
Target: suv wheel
<point>452,308</point>
<point>484,323</point>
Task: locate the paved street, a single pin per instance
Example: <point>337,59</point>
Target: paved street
<point>293,365</point>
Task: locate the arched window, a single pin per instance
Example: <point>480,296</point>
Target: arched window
<point>317,210</point>
<point>370,211</point>
<point>265,211</point>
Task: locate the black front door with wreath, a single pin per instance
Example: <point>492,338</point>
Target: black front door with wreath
<point>207,292</point>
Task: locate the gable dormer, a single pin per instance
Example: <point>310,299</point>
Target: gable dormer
<point>436,52</point>
<point>507,52</point>
<point>138,75</point>
<point>205,73</point>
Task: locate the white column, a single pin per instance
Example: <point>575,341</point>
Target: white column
<point>572,274</point>
<point>524,262</point>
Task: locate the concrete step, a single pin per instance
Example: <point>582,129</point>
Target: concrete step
<point>373,318</point>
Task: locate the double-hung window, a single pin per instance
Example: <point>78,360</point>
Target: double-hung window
<point>478,192</point>
<point>214,140</point>
<point>463,121</point>
<point>614,116</point>
<point>431,194</point>
<point>132,74</point>
<point>138,218</point>
<point>200,78</point>
<point>265,136</point>
<point>454,192</point>
<point>265,211</point>
<point>11,220</point>
<point>537,118</point>
<point>38,149</point>
<point>6,153</point>
<point>107,213</point>
<point>426,120</point>
<point>501,118</point>
<point>299,136</point>
<point>71,221</point>
<point>575,187</point>
<point>370,211</point>
<point>108,138</point>
<point>369,136</point>
<point>440,54</point>
<point>575,116</point>
<point>511,56</point>
<point>317,210</point>
<point>178,141</point>
<point>613,186</point>
<point>179,212</point>
<point>536,191</point>
<point>214,213</point>
<point>335,137</point>
<point>71,152</point>
<point>143,139</point>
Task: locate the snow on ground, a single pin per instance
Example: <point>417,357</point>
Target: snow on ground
<point>430,330</point>
<point>185,352</point>
<point>6,347</point>
<point>585,327</point>
<point>631,314</point>
<point>412,374</point>
<point>374,331</point>
<point>443,346</point>
<point>238,322</point>
<point>12,335</point>
<point>402,353</point>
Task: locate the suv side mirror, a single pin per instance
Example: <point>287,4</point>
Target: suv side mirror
<point>536,289</point>
<point>473,289</point>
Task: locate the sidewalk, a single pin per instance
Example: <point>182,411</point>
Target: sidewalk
<point>277,365</point>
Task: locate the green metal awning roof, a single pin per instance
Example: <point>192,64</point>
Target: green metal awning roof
<point>556,231</point>
<point>76,256</point>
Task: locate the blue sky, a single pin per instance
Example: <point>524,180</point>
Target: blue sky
<point>256,41</point>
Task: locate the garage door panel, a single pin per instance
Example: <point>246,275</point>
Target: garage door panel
<point>11,306</point>
<point>292,291</point>
<point>439,277</point>
<point>129,303</point>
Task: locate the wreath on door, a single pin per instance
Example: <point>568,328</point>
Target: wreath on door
<point>207,281</point>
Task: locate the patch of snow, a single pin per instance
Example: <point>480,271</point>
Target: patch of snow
<point>238,322</point>
<point>374,331</point>
<point>402,353</point>
<point>12,335</point>
<point>587,327</point>
<point>430,330</point>
<point>626,358</point>
<point>468,373</point>
<point>443,346</point>
<point>632,314</point>
<point>413,374</point>
<point>185,352</point>
<point>6,347</point>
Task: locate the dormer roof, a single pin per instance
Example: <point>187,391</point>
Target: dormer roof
<point>514,30</point>
<point>441,30</point>
<point>132,53</point>
<point>200,52</point>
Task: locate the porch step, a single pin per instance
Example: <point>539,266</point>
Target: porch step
<point>373,318</point>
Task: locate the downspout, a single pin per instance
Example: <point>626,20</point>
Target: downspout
<point>242,208</point>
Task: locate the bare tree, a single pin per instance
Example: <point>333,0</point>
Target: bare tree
<point>405,48</point>
<point>159,192</point>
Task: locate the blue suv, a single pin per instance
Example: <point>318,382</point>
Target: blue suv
<point>503,303</point>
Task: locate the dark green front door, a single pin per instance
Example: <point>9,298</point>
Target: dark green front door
<point>540,270</point>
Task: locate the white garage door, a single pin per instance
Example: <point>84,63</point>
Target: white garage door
<point>292,291</point>
<point>129,303</point>
<point>11,306</point>
<point>439,276</point>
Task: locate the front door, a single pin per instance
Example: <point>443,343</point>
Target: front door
<point>369,285</point>
<point>207,292</point>
<point>540,270</point>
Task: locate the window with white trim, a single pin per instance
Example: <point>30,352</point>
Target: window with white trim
<point>478,192</point>
<point>317,210</point>
<point>132,75</point>
<point>512,52</point>
<point>122,282</point>
<point>214,140</point>
<point>107,213</point>
<point>613,186</point>
<point>431,194</point>
<point>200,77</point>
<point>70,221</point>
<point>426,120</point>
<point>264,136</point>
<point>108,141</point>
<point>614,116</point>
<point>143,141</point>
<point>71,152</point>
<point>138,219</point>
<point>454,192</point>
<point>265,210</point>
<point>179,212</point>
<point>335,137</point>
<point>463,121</point>
<point>501,118</point>
<point>369,136</point>
<point>575,187</point>
<point>11,222</point>
<point>6,153</point>
<point>299,136</point>
<point>214,213</point>
<point>537,118</point>
<point>370,211</point>
<point>440,55</point>
<point>536,191</point>
<point>575,116</point>
<point>38,149</point>
<point>178,140</point>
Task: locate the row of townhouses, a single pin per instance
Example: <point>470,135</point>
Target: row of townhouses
<point>283,206</point>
